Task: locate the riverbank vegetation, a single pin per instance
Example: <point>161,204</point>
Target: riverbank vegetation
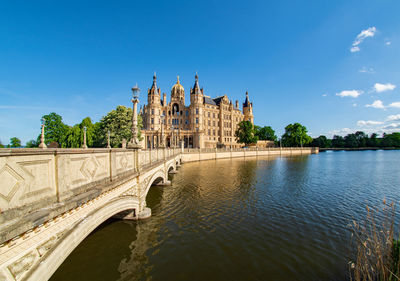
<point>378,247</point>
<point>58,134</point>
<point>358,139</point>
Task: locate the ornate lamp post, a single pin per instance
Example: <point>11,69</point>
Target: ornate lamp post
<point>108,139</point>
<point>42,144</point>
<point>134,143</point>
<point>84,138</point>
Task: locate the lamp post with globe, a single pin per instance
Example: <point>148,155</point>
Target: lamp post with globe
<point>134,143</point>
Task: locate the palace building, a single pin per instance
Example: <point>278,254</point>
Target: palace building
<point>205,123</point>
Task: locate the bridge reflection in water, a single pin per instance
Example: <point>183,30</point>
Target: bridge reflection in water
<point>52,199</point>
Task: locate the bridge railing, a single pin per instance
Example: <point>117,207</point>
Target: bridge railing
<point>31,179</point>
<point>250,149</point>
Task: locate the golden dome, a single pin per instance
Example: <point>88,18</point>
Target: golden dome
<point>177,87</point>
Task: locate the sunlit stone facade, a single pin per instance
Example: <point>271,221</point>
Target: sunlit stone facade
<point>206,123</point>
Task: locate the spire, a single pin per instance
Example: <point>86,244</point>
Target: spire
<point>177,82</point>
<point>196,86</point>
<point>153,88</point>
<point>247,101</point>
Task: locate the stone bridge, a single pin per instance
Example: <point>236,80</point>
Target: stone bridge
<point>50,200</point>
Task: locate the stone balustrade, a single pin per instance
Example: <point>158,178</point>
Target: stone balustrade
<point>45,182</point>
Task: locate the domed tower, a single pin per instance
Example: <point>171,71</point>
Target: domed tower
<point>248,109</point>
<point>196,111</point>
<point>153,106</point>
<point>178,92</point>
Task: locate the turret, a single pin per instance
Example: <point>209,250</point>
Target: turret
<point>153,108</point>
<point>248,109</point>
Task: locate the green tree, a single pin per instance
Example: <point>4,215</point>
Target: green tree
<point>72,138</point>
<point>31,144</point>
<point>362,138</point>
<point>321,141</point>
<point>373,141</point>
<point>1,145</point>
<point>55,130</point>
<point>351,141</point>
<point>391,140</point>
<point>295,135</point>
<point>245,133</point>
<point>15,142</point>
<point>119,123</point>
<point>338,141</point>
<point>265,133</point>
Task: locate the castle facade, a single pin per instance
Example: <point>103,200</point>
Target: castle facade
<point>206,123</point>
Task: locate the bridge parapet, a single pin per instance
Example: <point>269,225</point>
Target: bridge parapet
<point>37,184</point>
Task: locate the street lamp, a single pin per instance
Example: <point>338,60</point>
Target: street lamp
<point>134,143</point>
<point>42,144</point>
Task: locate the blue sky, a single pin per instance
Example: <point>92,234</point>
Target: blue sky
<point>319,63</point>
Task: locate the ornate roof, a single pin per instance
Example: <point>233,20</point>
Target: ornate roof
<point>177,87</point>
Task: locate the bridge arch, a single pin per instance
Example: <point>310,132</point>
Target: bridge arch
<point>52,260</point>
<point>159,175</point>
<point>171,167</point>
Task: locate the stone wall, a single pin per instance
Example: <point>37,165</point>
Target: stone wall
<point>191,155</point>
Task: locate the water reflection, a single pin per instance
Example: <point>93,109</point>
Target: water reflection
<point>244,219</point>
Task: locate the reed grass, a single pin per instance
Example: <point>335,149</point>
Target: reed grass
<point>377,247</point>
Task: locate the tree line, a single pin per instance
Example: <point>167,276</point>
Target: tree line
<point>358,139</point>
<point>58,134</point>
<point>296,135</point>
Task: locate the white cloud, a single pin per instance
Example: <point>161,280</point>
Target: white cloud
<point>378,87</point>
<point>392,126</point>
<point>354,104</point>
<point>362,123</point>
<point>395,104</point>
<point>350,93</point>
<point>376,104</point>
<point>366,70</point>
<point>324,95</point>
<point>370,32</point>
<point>388,43</point>
<point>393,118</point>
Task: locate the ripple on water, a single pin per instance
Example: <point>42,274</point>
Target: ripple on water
<point>253,219</point>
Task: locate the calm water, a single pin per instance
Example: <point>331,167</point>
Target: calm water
<point>253,219</point>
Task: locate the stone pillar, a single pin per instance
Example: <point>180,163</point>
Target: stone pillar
<point>108,139</point>
<point>84,146</point>
<point>42,144</point>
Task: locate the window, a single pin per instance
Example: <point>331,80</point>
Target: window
<point>209,123</point>
<point>152,120</point>
<point>187,113</point>
<point>209,132</point>
<point>181,121</point>
<point>163,113</point>
<point>214,123</point>
<point>209,114</point>
<point>213,115</point>
<point>197,111</point>
<point>152,111</point>
<point>197,120</point>
<point>214,133</point>
<point>186,122</point>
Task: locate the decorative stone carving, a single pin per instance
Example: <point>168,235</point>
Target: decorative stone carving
<point>44,247</point>
<point>21,266</point>
<point>10,182</point>
<point>89,167</point>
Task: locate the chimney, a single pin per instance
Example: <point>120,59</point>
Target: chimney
<point>237,104</point>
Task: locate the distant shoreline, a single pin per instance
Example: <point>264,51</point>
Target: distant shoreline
<point>358,148</point>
